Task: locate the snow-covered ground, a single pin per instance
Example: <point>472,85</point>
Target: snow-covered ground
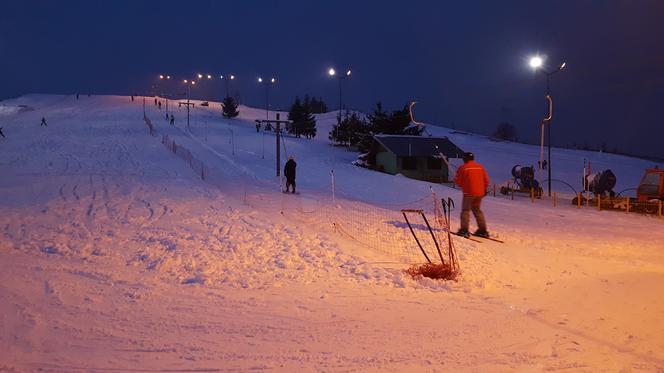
<point>116,256</point>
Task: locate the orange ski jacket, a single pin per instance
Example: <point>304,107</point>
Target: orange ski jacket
<point>473,179</point>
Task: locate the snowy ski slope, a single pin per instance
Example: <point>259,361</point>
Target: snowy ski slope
<point>115,255</point>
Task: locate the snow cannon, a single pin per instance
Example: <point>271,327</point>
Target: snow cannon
<point>601,183</point>
<point>524,181</point>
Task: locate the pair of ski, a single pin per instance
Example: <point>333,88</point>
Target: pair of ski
<point>476,238</point>
<point>448,205</point>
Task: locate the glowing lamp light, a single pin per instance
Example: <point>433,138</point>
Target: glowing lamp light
<point>562,66</point>
<point>193,82</point>
<point>185,81</point>
<point>348,72</point>
<point>536,62</point>
<point>331,71</point>
<point>273,80</point>
<point>161,77</point>
<point>200,76</point>
<point>232,77</point>
<point>168,76</point>
<point>260,80</point>
<point>209,76</point>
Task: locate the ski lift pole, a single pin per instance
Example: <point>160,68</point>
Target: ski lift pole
<point>413,233</point>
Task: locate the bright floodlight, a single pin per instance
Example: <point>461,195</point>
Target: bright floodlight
<point>161,77</point>
<point>536,62</point>
<point>273,80</point>
<point>260,80</point>
<point>331,71</point>
<point>168,76</point>
<point>348,72</point>
<point>232,77</point>
<point>209,76</point>
<point>193,82</point>
<point>200,76</point>
<point>562,66</point>
<point>185,81</point>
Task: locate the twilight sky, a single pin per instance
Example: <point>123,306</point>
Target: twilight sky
<point>465,62</point>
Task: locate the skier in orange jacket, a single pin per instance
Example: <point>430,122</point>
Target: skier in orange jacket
<point>474,181</point>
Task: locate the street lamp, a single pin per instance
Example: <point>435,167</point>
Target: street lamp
<point>537,63</point>
<point>189,84</point>
<point>267,84</point>
<point>164,77</point>
<point>340,77</point>
<point>227,79</point>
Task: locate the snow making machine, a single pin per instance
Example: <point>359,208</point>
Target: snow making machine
<point>649,193</point>
<point>523,182</point>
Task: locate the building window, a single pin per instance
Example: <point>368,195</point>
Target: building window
<point>409,163</point>
<point>434,163</point>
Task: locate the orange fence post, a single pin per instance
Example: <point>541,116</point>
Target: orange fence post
<point>659,211</point>
<point>554,199</point>
<point>627,201</point>
<point>578,200</point>
<point>599,202</point>
<point>532,195</point>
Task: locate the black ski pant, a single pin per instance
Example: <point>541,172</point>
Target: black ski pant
<point>289,182</point>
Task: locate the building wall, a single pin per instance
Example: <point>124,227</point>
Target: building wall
<point>422,172</point>
<point>386,162</point>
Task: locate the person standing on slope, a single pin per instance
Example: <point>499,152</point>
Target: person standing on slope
<point>43,123</point>
<point>2,134</point>
<point>474,181</point>
<point>289,172</point>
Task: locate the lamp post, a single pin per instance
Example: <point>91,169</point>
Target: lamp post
<point>340,77</point>
<point>537,63</point>
<point>165,78</point>
<point>189,84</point>
<point>267,84</point>
<point>228,78</point>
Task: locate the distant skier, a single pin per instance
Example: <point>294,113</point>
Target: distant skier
<point>159,105</point>
<point>167,116</point>
<point>77,96</point>
<point>172,119</point>
<point>474,181</point>
<point>155,101</point>
<point>43,123</point>
<point>544,164</point>
<point>289,172</point>
<point>258,127</point>
<point>2,134</point>
<point>132,98</point>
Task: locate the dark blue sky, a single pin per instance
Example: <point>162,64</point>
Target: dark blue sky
<point>464,62</point>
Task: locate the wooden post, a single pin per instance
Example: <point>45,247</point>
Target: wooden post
<point>599,202</point>
<point>627,201</point>
<point>532,195</point>
<point>578,200</point>
<point>512,189</point>
<point>554,199</point>
<point>494,190</point>
<point>659,210</point>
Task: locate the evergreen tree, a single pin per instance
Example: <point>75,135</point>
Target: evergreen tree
<point>295,115</point>
<point>308,123</point>
<point>230,108</point>
<point>303,121</point>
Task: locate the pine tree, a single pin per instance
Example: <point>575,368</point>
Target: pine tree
<point>296,116</point>
<point>230,108</point>
<point>308,123</point>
